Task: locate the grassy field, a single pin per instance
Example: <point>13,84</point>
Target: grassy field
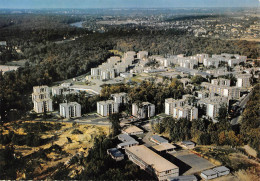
<point>242,167</point>
<point>63,142</point>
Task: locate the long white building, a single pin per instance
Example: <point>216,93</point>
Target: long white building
<point>41,99</point>
<point>70,110</point>
<point>151,162</point>
<point>226,91</point>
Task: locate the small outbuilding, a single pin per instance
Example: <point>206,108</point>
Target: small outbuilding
<point>158,140</point>
<point>188,144</point>
<point>115,154</point>
<point>222,170</point>
<point>127,144</point>
<point>209,174</point>
<point>133,130</point>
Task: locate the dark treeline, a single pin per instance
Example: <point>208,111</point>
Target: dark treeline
<point>148,92</point>
<point>192,17</point>
<point>24,29</point>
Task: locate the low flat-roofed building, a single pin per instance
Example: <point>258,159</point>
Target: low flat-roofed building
<point>125,138</point>
<point>165,147</point>
<point>188,144</point>
<point>183,178</point>
<point>222,170</point>
<point>70,110</point>
<point>127,144</point>
<point>115,154</point>
<point>133,130</point>
<point>209,174</point>
<point>152,162</point>
<point>158,139</point>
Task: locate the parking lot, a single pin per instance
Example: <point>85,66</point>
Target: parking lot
<point>193,162</point>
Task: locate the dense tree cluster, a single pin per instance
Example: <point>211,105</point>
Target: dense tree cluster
<point>148,91</point>
<point>250,126</point>
<point>202,131</point>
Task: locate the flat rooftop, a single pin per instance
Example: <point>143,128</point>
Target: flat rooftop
<point>69,104</point>
<point>164,146</point>
<point>159,163</point>
<point>125,138</point>
<point>159,139</point>
<point>209,172</point>
<point>221,169</point>
<point>115,152</point>
<point>132,142</point>
<point>132,129</point>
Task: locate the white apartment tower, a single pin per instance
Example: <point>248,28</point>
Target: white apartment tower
<point>41,99</point>
<point>120,98</point>
<point>70,110</point>
<point>105,108</point>
<point>142,54</point>
<point>144,110</point>
<point>243,80</point>
<point>186,111</point>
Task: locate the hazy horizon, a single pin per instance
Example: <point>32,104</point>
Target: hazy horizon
<point>85,4</point>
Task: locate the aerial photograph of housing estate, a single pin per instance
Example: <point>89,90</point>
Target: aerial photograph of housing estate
<point>165,90</point>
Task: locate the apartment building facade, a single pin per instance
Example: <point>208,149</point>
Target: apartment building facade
<point>144,110</point>
<point>41,99</point>
<point>106,108</point>
<point>70,110</point>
